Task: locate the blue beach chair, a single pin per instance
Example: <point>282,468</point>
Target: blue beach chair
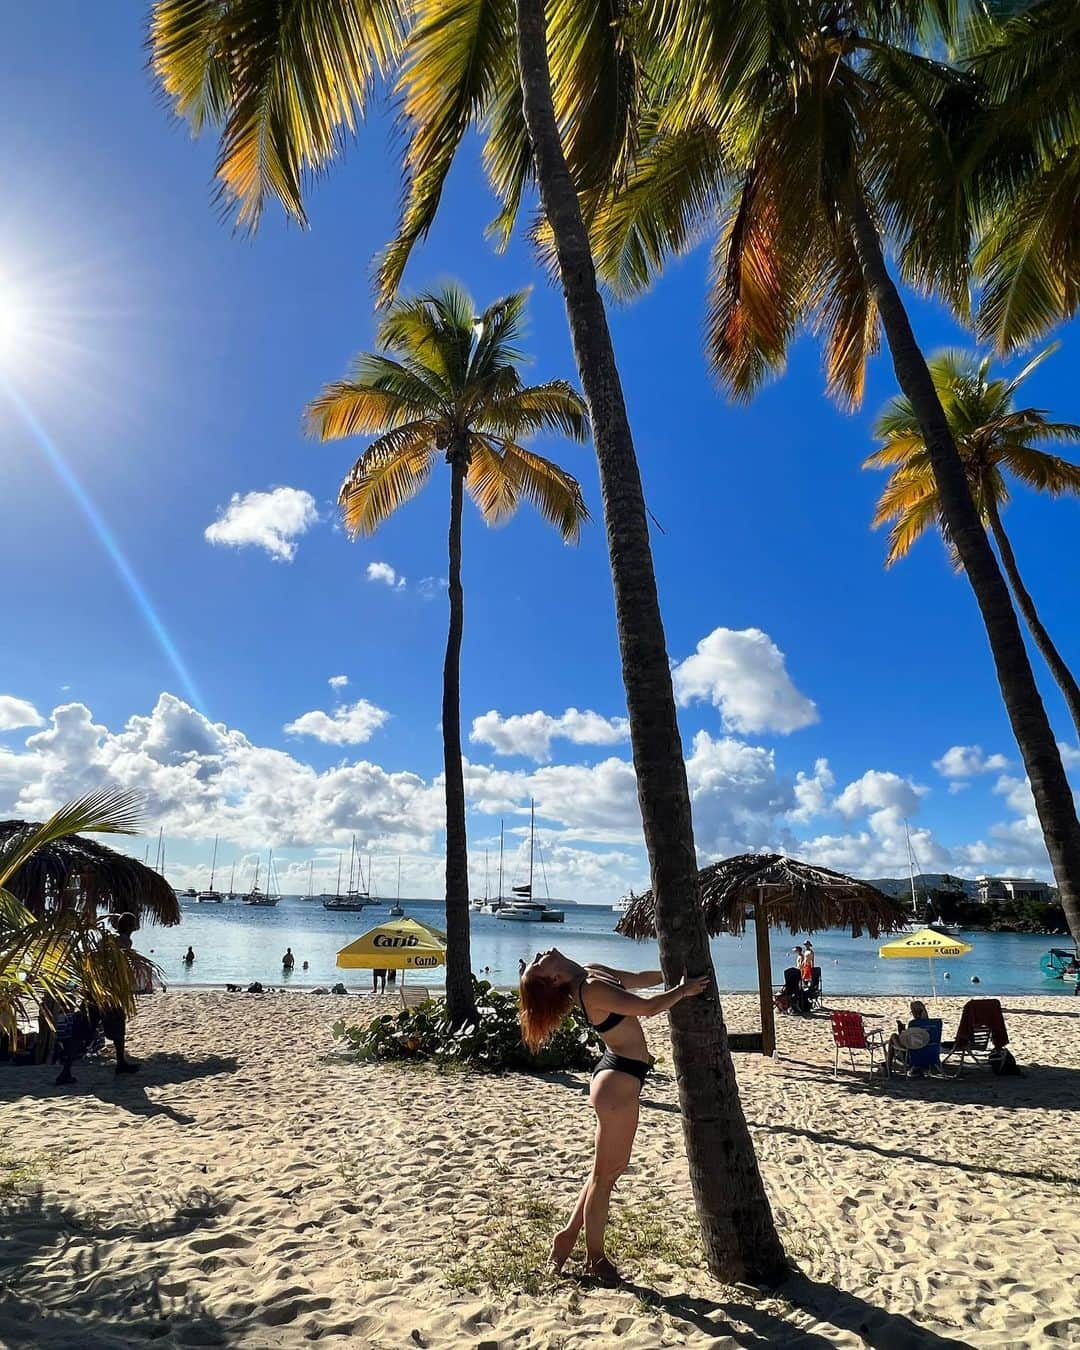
<point>923,1057</point>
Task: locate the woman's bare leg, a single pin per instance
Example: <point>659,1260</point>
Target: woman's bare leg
<point>615,1100</point>
<point>563,1243</point>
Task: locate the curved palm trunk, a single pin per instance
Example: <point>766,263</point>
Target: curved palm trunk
<point>459,991</point>
<point>1050,788</point>
<point>740,1237</point>
<point>1024,603</point>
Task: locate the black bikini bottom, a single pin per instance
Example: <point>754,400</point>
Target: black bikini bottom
<point>636,1068</point>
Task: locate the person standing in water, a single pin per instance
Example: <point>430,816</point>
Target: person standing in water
<point>288,961</point>
<point>189,957</point>
<point>551,985</point>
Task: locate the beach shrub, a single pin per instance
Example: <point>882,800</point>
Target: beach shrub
<point>493,1043</point>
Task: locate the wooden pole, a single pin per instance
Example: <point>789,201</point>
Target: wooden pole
<point>764,968</point>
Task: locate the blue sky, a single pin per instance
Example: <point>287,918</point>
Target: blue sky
<point>168,360</point>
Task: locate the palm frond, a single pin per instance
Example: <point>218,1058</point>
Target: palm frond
<point>453,63</point>
<point>555,493</point>
<point>101,811</point>
<point>554,406</point>
<point>286,80</point>
<point>390,472</point>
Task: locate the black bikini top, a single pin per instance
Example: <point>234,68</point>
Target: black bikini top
<point>612,1019</point>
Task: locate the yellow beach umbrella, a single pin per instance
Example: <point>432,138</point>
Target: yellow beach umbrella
<point>398,944</point>
<point>926,942</point>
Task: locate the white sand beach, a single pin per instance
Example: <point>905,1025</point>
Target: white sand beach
<point>249,1189</point>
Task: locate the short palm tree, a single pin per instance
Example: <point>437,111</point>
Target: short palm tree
<point>54,948</point>
<point>994,437</point>
<point>445,385</point>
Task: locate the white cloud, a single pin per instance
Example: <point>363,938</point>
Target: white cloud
<point>269,520</point>
<point>965,761</point>
<point>742,672</point>
<point>531,734</point>
<point>812,791</point>
<point>338,681</point>
<point>1070,755</point>
<point>17,712</point>
<point>384,573</point>
<point>886,799</point>
<point>199,778</point>
<point>350,725</point>
<point>431,586</point>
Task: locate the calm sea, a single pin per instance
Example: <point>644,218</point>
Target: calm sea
<point>236,943</point>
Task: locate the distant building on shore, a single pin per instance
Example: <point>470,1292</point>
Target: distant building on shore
<point>1012,888</point>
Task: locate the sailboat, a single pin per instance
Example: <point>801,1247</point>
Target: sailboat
<point>354,899</point>
<point>523,908</point>
<point>487,906</point>
<point>310,880</point>
<point>396,911</point>
<point>210,896</point>
<point>263,899</point>
<point>232,882</point>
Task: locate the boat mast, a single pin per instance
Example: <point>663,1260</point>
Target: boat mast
<point>911,871</point>
<point>352,860</point>
<point>399,879</point>
<point>310,876</point>
<point>337,892</point>
<point>485,876</point>
<point>161,850</point>
<point>232,878</point>
<point>500,895</point>
<point>213,863</point>
<point>270,872</point>
<point>532,835</point>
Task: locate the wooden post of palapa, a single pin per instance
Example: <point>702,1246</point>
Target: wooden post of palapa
<point>764,970</point>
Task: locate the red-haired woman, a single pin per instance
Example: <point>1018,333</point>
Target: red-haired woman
<point>550,987</point>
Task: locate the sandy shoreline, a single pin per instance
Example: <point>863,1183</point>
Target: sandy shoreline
<point>247,1188</point>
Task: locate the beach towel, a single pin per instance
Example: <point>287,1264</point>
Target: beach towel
<point>982,1012</point>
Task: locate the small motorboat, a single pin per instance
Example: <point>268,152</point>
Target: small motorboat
<point>1061,964</point>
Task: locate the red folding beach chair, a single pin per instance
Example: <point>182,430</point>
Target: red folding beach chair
<point>850,1034</point>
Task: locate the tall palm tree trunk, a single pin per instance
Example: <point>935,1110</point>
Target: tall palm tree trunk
<point>1055,663</point>
<point>741,1242</point>
<point>1050,788</point>
<point>459,992</point>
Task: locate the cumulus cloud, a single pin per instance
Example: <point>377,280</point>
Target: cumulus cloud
<point>886,798</point>
<point>742,672</point>
<point>349,725</point>
<point>17,712</point>
<point>338,681</point>
<point>431,586</point>
<point>812,791</point>
<point>531,734</point>
<point>966,761</point>
<point>268,520</point>
<point>386,575</point>
<point>199,778</point>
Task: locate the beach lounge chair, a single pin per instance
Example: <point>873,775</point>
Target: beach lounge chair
<point>981,1034</point>
<point>413,995</point>
<point>849,1033</point>
<point>812,993</point>
<point>919,1051</point>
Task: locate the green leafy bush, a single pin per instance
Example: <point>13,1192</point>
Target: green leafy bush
<point>494,1043</point>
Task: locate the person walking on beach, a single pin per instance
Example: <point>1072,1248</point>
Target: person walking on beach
<point>376,976</point>
<point>288,960</point>
<point>551,985</point>
<point>189,957</point>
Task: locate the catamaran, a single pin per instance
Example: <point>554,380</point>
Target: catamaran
<point>210,896</point>
<point>523,908</point>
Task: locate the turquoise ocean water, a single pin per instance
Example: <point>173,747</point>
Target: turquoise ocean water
<point>235,943</point>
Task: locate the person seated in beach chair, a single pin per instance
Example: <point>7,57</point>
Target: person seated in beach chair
<point>916,1048</point>
<point>792,999</point>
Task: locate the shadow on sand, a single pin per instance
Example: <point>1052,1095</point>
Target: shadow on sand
<point>744,1322</point>
<point>97,1078</point>
<point>74,1297</point>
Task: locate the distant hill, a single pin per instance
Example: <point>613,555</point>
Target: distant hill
<point>899,887</point>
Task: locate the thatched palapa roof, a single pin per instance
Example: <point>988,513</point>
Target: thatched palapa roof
<point>799,896</point>
<point>79,873</point>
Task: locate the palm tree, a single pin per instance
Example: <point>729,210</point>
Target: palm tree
<point>445,383</point>
<point>992,435</point>
<point>808,136</point>
<point>285,81</point>
<point>54,949</point>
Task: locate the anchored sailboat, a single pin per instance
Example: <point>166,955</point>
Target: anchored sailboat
<point>210,896</point>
